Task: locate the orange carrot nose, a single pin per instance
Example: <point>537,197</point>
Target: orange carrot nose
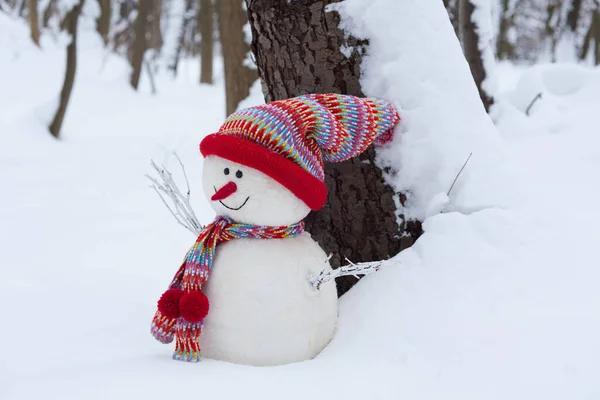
<point>224,192</point>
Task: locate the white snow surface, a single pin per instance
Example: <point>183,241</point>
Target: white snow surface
<point>498,299</point>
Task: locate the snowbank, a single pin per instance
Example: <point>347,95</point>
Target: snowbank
<point>490,303</point>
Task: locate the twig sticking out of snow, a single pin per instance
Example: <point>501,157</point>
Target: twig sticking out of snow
<point>459,172</point>
<point>180,206</point>
<point>530,106</point>
<point>351,269</point>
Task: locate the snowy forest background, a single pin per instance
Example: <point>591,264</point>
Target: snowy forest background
<point>483,209</point>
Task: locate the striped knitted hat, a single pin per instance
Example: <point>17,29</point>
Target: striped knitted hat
<point>289,140</point>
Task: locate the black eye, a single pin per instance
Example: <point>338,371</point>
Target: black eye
<point>226,171</point>
<point>239,174</point>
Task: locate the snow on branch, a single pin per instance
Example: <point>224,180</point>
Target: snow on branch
<point>179,203</point>
<point>351,269</point>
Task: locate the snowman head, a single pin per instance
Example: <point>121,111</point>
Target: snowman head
<point>248,196</point>
<point>265,165</point>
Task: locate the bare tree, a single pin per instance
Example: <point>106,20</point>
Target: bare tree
<point>591,43</point>
<point>238,77</point>
<point>504,46</point>
<point>34,22</point>
<point>186,20</point>
<point>298,50</point>
<point>124,36</point>
<point>154,38</point>
<point>554,26</point>
<point>574,13</point>
<point>206,30</point>
<point>140,43</point>
<point>473,49</point>
<point>50,11</point>
<point>70,22</point>
<point>103,20</point>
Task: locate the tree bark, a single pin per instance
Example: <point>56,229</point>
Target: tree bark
<point>71,20</point>
<point>238,77</point>
<point>470,40</point>
<point>34,22</point>
<point>140,42</point>
<point>298,50</point>
<point>103,20</point>
<point>205,28</point>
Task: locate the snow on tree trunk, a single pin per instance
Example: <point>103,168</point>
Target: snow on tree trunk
<point>477,34</point>
<point>299,49</point>
<point>415,60</point>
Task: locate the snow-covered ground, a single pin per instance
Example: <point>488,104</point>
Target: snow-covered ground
<point>491,303</point>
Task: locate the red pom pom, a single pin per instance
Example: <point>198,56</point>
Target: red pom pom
<point>193,306</point>
<point>168,304</point>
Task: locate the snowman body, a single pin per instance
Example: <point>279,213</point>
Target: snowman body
<point>263,311</point>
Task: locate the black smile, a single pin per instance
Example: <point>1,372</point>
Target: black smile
<point>231,208</point>
<point>235,209</point>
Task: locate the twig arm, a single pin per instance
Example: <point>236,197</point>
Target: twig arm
<point>352,269</point>
<point>180,204</point>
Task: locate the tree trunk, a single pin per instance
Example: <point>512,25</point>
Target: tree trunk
<point>504,48</point>
<point>206,30</point>
<point>591,41</point>
<point>71,20</point>
<point>238,77</point>
<point>140,42</point>
<point>471,48</point>
<point>185,22</point>
<point>103,20</point>
<point>573,16</point>
<point>596,24</point>
<point>51,10</point>
<point>298,50</point>
<point>154,39</point>
<point>34,23</point>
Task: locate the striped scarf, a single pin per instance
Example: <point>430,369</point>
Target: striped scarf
<point>182,308</point>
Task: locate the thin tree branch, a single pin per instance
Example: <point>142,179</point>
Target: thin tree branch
<point>536,98</point>
<point>351,269</point>
<point>459,172</point>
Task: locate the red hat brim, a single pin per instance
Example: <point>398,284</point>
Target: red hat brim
<point>301,183</point>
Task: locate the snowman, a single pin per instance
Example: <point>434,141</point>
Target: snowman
<point>242,292</point>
